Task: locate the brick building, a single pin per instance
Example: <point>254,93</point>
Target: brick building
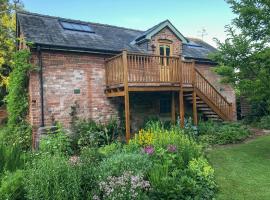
<point>108,71</point>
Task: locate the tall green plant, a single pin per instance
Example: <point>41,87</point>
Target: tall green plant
<point>17,100</point>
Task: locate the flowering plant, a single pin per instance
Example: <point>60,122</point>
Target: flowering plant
<point>127,186</point>
<point>149,150</point>
<point>144,137</point>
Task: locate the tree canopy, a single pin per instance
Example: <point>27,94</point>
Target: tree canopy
<point>7,40</point>
<point>244,57</point>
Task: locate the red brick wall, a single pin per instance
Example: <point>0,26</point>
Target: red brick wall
<point>62,74</point>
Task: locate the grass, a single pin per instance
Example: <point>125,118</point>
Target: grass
<point>243,171</point>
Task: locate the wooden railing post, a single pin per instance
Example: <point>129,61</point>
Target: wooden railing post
<point>126,93</point>
<point>180,64</point>
<point>193,73</point>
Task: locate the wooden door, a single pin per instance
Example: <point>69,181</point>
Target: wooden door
<point>165,52</point>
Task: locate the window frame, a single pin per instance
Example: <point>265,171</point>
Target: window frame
<point>164,43</point>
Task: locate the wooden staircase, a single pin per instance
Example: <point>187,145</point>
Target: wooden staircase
<point>203,107</point>
<point>209,101</point>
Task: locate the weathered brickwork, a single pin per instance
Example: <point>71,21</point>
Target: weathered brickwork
<point>70,79</point>
<point>164,34</point>
<point>226,90</point>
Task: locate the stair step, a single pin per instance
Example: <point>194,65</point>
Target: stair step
<point>202,106</point>
<point>209,112</point>
<point>204,109</point>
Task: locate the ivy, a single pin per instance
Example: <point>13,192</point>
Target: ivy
<point>17,100</point>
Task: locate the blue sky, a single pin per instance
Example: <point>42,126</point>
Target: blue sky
<point>188,16</point>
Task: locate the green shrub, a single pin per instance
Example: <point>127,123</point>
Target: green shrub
<point>11,158</point>
<point>17,101</point>
<point>203,176</point>
<point>109,150</point>
<point>56,142</point>
<point>177,171</point>
<point>89,161</point>
<point>264,122</point>
<point>52,177</point>
<point>88,133</point>
<point>124,187</point>
<point>222,133</point>
<point>12,186</point>
<point>118,163</point>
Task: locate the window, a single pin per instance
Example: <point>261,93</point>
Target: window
<point>76,26</point>
<point>165,106</point>
<point>164,50</point>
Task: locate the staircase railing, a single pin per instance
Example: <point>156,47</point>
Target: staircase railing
<point>222,106</point>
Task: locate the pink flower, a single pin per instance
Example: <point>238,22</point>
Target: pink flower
<point>149,150</point>
<point>171,148</point>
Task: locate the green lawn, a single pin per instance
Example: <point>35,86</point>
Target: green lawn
<point>243,171</point>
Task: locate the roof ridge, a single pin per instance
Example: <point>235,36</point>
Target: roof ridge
<point>76,20</point>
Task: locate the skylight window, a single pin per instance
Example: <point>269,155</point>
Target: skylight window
<point>76,26</point>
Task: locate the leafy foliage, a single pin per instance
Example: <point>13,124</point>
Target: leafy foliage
<point>17,101</point>
<point>56,142</point>
<point>7,41</point>
<point>211,133</point>
<point>52,177</point>
<point>87,133</point>
<point>244,56</point>
<point>12,186</point>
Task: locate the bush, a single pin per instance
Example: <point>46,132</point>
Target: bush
<point>56,142</point>
<point>11,158</point>
<point>12,186</point>
<point>177,170</point>
<point>88,133</point>
<point>118,163</point>
<point>52,177</point>
<point>124,187</point>
<point>264,122</point>
<point>17,101</point>
<point>211,133</point>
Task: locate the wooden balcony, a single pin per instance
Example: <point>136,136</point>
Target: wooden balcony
<point>132,72</point>
<point>144,72</point>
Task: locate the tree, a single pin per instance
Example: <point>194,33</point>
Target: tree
<point>244,57</point>
<point>7,40</point>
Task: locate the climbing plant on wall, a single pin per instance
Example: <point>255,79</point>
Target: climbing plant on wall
<point>17,100</point>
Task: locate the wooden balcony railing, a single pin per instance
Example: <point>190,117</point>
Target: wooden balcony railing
<point>145,69</point>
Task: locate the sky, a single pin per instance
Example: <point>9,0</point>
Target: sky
<point>188,16</point>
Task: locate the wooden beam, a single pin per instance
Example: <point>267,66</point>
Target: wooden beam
<point>173,108</point>
<point>181,108</point>
<point>195,114</point>
<point>153,89</point>
<point>126,97</point>
<point>115,94</point>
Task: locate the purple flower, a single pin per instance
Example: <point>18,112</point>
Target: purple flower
<point>172,148</point>
<point>149,150</point>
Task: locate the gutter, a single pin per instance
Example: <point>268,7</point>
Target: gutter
<point>41,84</point>
<point>75,49</point>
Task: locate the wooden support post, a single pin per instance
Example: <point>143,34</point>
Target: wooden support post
<point>173,108</point>
<point>195,114</point>
<point>126,93</point>
<point>181,108</point>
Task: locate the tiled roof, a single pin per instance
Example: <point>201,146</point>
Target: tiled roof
<point>46,30</point>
